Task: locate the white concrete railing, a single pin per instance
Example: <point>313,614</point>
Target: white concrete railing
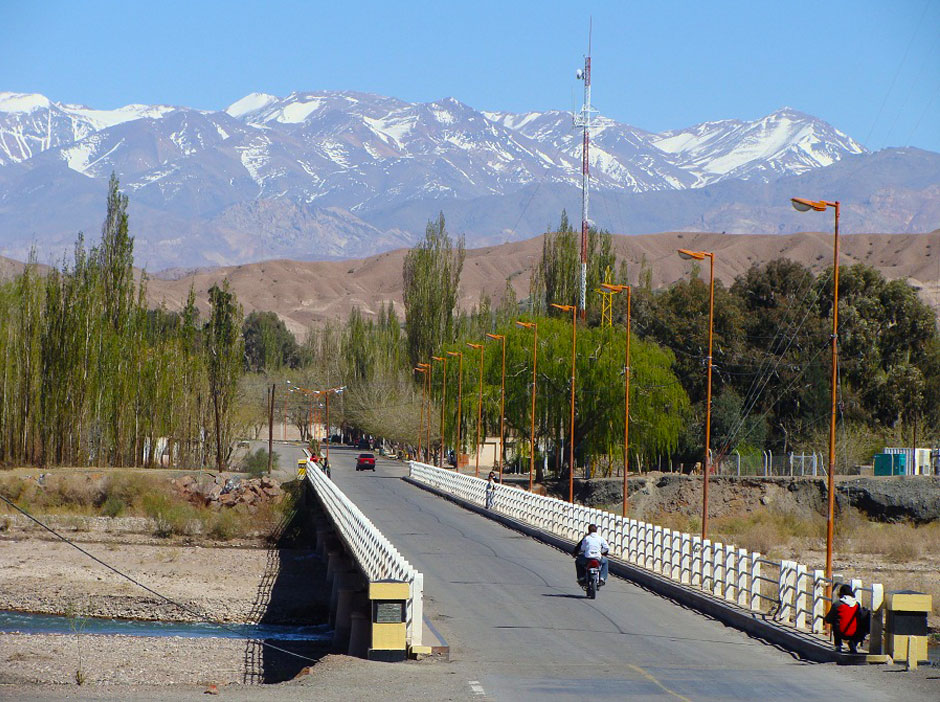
<point>376,556</point>
<point>786,591</point>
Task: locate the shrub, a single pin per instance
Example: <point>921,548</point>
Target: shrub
<point>113,506</point>
<point>225,525</point>
<point>170,516</point>
<point>256,464</point>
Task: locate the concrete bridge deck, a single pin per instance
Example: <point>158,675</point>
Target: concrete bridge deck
<point>514,617</point>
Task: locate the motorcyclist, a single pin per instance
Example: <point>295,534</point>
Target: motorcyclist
<point>591,546</point>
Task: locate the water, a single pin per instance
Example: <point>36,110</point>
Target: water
<point>19,622</point>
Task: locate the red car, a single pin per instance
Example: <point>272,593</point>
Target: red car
<point>366,461</point>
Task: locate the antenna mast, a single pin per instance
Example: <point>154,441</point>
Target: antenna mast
<point>583,120</point>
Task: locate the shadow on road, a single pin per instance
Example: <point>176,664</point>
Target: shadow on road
<point>292,591</point>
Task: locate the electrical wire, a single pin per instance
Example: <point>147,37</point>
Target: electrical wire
<point>185,608</point>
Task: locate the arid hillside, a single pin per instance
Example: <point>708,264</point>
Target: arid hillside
<point>305,293</point>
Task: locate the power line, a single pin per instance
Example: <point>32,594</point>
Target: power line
<point>186,608</point>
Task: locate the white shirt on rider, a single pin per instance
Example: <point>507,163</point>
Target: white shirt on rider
<point>593,546</point>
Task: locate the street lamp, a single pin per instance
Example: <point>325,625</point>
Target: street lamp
<point>427,404</point>
<point>574,339</point>
<point>804,205</point>
<point>535,340</point>
<point>502,402</point>
<point>459,355</point>
<point>424,382</point>
<point>479,406</point>
<point>626,395</point>
<point>701,256</point>
<point>442,359</point>
<point>329,437</point>
<point>309,393</point>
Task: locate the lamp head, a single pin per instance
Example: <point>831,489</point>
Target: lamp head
<point>803,205</point>
<point>614,288</point>
<point>564,308</point>
<point>438,358</point>
<point>693,255</point>
<point>497,337</point>
<point>525,325</point>
<point>455,353</point>
<point>474,346</point>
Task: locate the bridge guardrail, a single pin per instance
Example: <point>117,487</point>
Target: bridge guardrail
<point>785,591</point>
<point>377,557</point>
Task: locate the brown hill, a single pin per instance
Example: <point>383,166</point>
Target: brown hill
<point>305,293</point>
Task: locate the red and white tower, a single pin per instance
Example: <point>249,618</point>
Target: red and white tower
<point>583,120</point>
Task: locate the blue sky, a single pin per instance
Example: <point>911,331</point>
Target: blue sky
<point>872,69</point>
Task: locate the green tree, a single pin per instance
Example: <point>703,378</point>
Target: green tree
<point>431,276</point>
<point>268,343</point>
<point>224,352</point>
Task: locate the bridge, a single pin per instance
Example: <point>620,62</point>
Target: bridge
<point>508,607</point>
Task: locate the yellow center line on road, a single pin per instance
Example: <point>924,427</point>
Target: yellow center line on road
<point>652,679</point>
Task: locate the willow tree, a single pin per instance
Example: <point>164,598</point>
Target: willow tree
<point>431,276</point>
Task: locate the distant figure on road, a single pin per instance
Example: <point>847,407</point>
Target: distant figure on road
<point>490,489</point>
<point>850,622</point>
<point>591,546</point>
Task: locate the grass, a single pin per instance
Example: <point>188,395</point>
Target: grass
<point>76,495</point>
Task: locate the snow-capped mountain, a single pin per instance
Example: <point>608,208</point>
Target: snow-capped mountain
<point>323,174</point>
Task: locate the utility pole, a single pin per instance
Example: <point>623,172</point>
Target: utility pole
<point>583,120</point>
<point>270,425</point>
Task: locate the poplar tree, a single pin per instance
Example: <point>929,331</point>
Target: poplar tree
<point>431,276</point>
<point>224,350</point>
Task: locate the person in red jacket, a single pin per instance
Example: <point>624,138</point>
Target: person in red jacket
<point>844,616</point>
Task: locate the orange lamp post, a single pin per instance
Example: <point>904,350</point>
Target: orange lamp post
<point>574,345</point>
<point>442,359</point>
<point>329,437</point>
<point>427,407</point>
<point>701,256</point>
<point>821,206</point>
<point>626,394</point>
<point>459,355</point>
<point>535,341</point>
<point>480,348</point>
<point>424,382</point>
<point>502,403</point>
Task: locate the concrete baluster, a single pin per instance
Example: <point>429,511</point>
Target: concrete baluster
<point>743,573</point>
<point>718,569</point>
<point>731,573</point>
<point>695,575</point>
<point>817,625</point>
<point>666,538</point>
<point>706,580</point>
<point>876,636</point>
<point>755,582</point>
<point>685,559</point>
<point>787,587</point>
<point>657,549</point>
<point>800,599</point>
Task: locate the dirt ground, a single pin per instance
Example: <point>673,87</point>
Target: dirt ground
<point>40,573</point>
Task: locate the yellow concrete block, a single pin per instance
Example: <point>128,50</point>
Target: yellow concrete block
<point>897,646</point>
<point>389,591</point>
<point>908,602</point>
<point>420,650</point>
<point>388,637</point>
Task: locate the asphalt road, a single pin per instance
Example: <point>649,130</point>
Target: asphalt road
<point>519,627</point>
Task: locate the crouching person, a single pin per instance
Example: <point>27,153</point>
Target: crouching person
<point>850,621</point>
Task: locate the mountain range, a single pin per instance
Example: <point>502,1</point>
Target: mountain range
<point>329,175</point>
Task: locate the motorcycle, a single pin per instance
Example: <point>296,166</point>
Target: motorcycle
<point>592,577</point>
